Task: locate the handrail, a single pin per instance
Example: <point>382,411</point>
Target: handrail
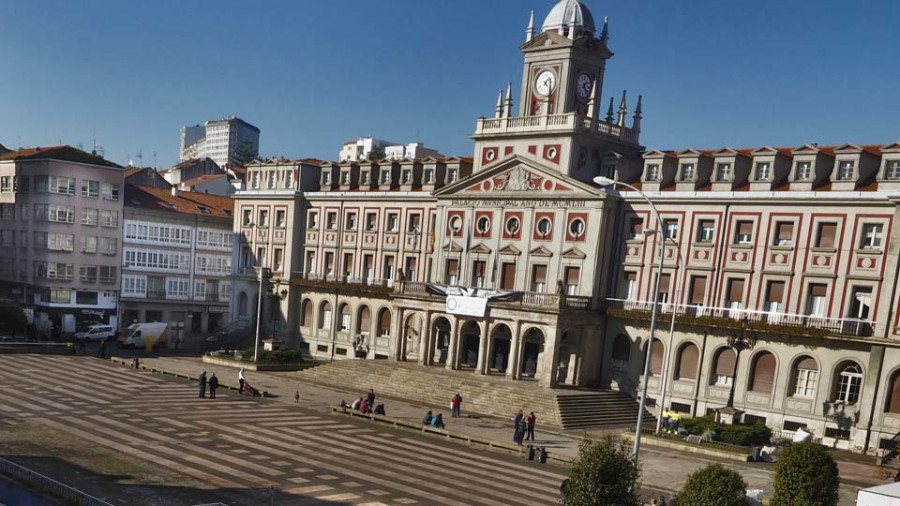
<point>534,299</point>
<point>846,326</point>
<point>41,482</point>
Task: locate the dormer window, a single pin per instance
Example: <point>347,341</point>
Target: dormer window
<point>845,170</point>
<point>452,175</point>
<point>653,172</point>
<point>326,178</point>
<point>803,171</point>
<point>429,176</point>
<point>892,170</point>
<point>345,177</point>
<point>254,180</point>
<point>687,171</point>
<point>609,169</point>
<point>364,177</point>
<point>763,171</point>
<point>723,172</point>
<point>271,180</point>
<point>407,176</point>
<point>385,177</point>
<point>289,180</point>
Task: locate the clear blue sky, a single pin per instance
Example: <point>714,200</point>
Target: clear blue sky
<point>314,74</point>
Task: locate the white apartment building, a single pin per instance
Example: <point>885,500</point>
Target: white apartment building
<point>222,140</point>
<point>413,150</point>
<point>176,259</point>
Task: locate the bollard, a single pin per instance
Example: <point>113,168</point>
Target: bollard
<point>542,455</point>
<point>137,363</point>
<point>529,452</point>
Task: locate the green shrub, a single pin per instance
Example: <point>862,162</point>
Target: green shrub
<point>714,485</point>
<point>12,318</point>
<point>699,424</point>
<point>756,434</point>
<point>603,474</point>
<point>806,474</point>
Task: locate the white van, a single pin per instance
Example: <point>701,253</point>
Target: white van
<point>97,332</point>
<point>138,334</point>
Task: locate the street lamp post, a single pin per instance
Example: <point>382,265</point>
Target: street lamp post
<point>605,181</point>
<point>739,340</point>
<point>263,272</point>
<point>664,380</point>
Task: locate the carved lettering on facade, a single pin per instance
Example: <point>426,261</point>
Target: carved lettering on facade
<point>518,203</point>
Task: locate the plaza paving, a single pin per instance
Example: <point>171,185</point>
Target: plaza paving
<point>232,448</point>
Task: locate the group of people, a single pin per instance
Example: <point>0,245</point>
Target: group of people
<point>365,404</point>
<point>523,427</point>
<point>670,421</point>
<point>436,421</point>
<point>213,383</point>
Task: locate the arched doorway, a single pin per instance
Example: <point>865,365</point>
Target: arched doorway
<point>471,339</point>
<point>501,337</point>
<point>440,331</point>
<point>412,332</point>
<point>532,353</point>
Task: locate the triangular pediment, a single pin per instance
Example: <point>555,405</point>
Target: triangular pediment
<point>480,248</point>
<point>519,177</point>
<point>452,247</point>
<point>655,154</point>
<point>574,253</point>
<point>546,39</point>
<point>765,150</point>
<point>509,249</point>
<point>848,148</point>
<point>540,251</point>
<point>892,147</point>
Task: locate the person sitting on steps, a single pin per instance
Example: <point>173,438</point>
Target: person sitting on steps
<point>427,419</point>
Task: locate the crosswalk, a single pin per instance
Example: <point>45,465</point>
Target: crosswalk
<point>237,448</point>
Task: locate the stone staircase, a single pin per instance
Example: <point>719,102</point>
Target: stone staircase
<point>490,395</point>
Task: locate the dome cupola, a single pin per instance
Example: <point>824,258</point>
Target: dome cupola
<point>565,13</point>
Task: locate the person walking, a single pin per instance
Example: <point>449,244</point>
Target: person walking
<point>101,351</point>
<point>519,426</point>
<point>455,403</point>
<point>213,385</point>
<point>201,384</point>
<point>529,431</point>
<point>241,381</point>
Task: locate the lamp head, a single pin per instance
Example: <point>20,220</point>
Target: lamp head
<point>604,181</point>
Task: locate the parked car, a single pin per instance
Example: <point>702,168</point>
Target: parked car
<point>97,332</point>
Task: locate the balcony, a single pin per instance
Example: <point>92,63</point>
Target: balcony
<point>552,301</point>
<point>570,122</point>
<point>336,282</point>
<point>763,321</point>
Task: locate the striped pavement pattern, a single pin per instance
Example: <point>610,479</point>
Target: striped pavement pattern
<point>238,447</point>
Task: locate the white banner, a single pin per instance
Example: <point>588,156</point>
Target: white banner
<point>466,306</point>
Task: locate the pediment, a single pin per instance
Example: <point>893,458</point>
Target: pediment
<point>518,177</point>
<point>894,146</point>
<point>574,253</point>
<point>848,148</point>
<point>765,150</point>
<point>480,248</point>
<point>806,149</point>
<point>452,247</point>
<point>655,154</point>
<point>546,39</point>
<point>509,249</point>
<point>541,251</point>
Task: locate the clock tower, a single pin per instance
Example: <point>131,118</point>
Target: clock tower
<point>563,63</point>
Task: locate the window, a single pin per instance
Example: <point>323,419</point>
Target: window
<point>653,172</point>
<point>762,372</point>
<point>110,246</point>
<point>571,279</point>
<point>6,184</point>
<point>329,264</point>
<point>743,232</point>
<point>331,220</point>
<point>663,288</point>
<point>107,274</point>
<point>326,177</point>
<point>289,179</point>
<point>429,176</point>
<point>384,323</point>
<point>61,184</point>
<point>254,179</point>
<point>110,191</point>
<point>451,274</point>
<point>544,227</point>
<point>345,177</point>
<point>815,299</point>
<point>21,184</point>
<point>724,368</point>
<point>109,218</point>
<point>686,362</point>
<point>87,244</point>
<point>892,170</point>
<point>247,219</point>
<point>279,260</point>
<point>313,220</point>
<point>871,236</point>
<point>706,231</point>
<point>621,353</point>
<point>763,171</point>
<point>371,222</point>
<point>629,287</point>
<point>774,297</point>
<point>8,212</point>
<point>263,220</point>
<point>635,228</point>
<point>656,357</point>
<point>407,176</point>
<point>723,172</point>
<point>41,184</point>
<point>280,218</point>
<point>260,256</point>
<point>350,221</point>
<point>452,175</point>
<point>670,229</point>
<point>845,170</point>
<point>825,235</point>
<point>784,234</point>
<point>538,278</point>
<point>806,374</point>
<point>513,225</point>
<point>61,214</point>
<point>345,318</point>
<point>325,316</point>
<point>687,172</point>
<point>393,222</point>
<point>803,171</point>
<point>483,225</point>
<point>849,384</point>
<point>735,296</point>
<point>697,296</point>
<point>389,267</point>
<point>576,228</point>
<point>508,276</point>
<point>368,266</point>
<point>40,212</point>
<point>478,268</point>
<point>385,177</point>
<point>414,224</point>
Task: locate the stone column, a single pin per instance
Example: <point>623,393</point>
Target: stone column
<point>397,337</point>
<point>551,358</point>
<point>515,342</point>
<point>424,338</point>
<point>483,344</point>
<point>452,351</point>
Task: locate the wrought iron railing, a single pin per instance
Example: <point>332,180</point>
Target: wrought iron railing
<point>530,299</point>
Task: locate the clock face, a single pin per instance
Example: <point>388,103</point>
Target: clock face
<point>583,86</point>
<point>545,83</point>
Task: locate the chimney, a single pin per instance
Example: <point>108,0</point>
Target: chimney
<point>174,191</point>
